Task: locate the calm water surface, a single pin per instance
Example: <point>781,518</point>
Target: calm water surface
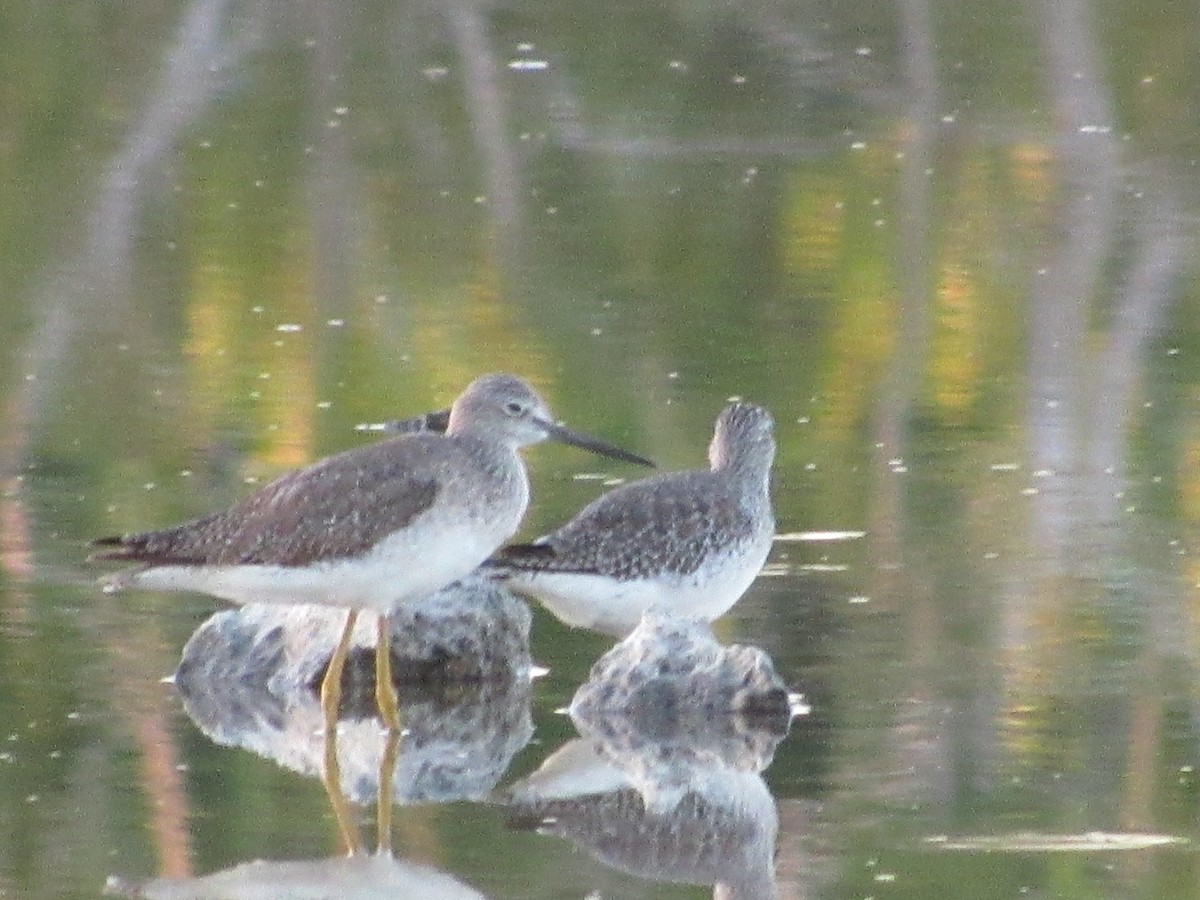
<point>950,246</point>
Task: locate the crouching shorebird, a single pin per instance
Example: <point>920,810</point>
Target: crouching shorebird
<point>370,528</point>
<point>686,543</point>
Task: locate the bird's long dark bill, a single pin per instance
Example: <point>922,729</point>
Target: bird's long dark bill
<point>594,444</point>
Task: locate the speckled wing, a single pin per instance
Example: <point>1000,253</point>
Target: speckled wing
<point>666,524</point>
<point>338,508</point>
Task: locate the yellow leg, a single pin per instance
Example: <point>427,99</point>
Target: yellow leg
<point>385,690</point>
<point>331,685</point>
<point>383,808</point>
<point>331,777</point>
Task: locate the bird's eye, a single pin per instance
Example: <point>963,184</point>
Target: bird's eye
<point>513,408</point>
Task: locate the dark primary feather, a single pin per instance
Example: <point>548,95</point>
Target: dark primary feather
<point>338,508</point>
<point>616,534</point>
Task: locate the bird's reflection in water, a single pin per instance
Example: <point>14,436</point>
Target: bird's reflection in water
<point>249,678</point>
<point>665,781</point>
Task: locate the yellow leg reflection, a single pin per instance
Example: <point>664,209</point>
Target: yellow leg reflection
<point>383,809</point>
<point>331,685</point>
<point>331,777</point>
<point>385,690</point>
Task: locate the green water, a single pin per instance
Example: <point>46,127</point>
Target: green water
<point>950,246</point>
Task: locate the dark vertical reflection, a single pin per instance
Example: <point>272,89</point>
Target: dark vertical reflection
<point>333,183</point>
<point>487,106</point>
<point>901,581</point>
<point>1069,279</point>
<point>1087,341</point>
<point>87,291</point>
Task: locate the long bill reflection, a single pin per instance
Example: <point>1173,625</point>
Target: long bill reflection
<point>665,782</point>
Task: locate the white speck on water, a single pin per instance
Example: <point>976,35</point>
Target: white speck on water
<point>803,420</point>
<point>790,537</point>
<point>257,310</point>
<point>324,404</point>
<point>738,79</point>
<point>551,210</point>
<point>862,51</point>
<point>381,298</point>
<point>672,375</point>
<point>336,323</point>
<point>149,485</point>
<point>289,327</point>
<point>798,704</point>
<point>73,714</point>
<point>678,65</point>
<point>596,332</point>
<point>1004,467</point>
<point>481,199</point>
<point>525,47</point>
<point>612,482</point>
<point>858,599</point>
<point>528,65</point>
<point>1095,129</point>
<point>264,376</point>
<point>435,73</point>
<point>858,145</point>
<point>341,110</point>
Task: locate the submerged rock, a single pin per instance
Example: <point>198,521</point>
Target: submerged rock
<point>249,678</point>
<point>670,670</point>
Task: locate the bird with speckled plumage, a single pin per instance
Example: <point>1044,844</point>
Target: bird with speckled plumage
<point>685,543</point>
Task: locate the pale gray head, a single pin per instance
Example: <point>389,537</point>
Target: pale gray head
<point>744,436</point>
<point>506,409</point>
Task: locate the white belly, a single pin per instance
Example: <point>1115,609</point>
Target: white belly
<point>616,606</point>
<point>407,566</point>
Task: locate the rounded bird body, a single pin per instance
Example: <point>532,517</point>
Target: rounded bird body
<point>685,543</point>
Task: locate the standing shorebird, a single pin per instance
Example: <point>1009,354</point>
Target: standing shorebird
<point>370,528</point>
<point>686,543</point>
